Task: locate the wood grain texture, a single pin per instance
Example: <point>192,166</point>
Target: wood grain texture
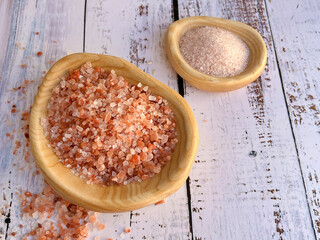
<point>137,35</point>
<point>246,181</point>
<point>5,17</point>
<point>253,40</point>
<point>297,44</point>
<point>59,31</point>
<point>5,196</point>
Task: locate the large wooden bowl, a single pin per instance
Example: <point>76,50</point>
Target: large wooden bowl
<point>114,198</point>
<point>254,41</point>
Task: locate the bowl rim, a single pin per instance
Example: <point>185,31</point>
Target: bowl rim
<point>206,82</point>
<point>127,197</point>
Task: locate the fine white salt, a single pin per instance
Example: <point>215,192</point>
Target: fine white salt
<point>214,51</point>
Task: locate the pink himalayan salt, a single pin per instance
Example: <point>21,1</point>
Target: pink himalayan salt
<point>214,51</point>
<point>107,131</point>
<point>56,218</point>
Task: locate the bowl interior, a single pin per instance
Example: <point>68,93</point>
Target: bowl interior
<point>254,41</point>
<point>117,198</point>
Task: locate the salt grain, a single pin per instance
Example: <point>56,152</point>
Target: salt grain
<point>110,132</point>
<point>214,51</point>
<point>152,98</point>
<point>45,208</point>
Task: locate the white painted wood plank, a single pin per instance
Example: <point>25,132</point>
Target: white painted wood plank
<point>238,195</point>
<point>135,30</point>
<point>246,182</point>
<point>60,27</point>
<point>5,16</point>
<point>296,36</point>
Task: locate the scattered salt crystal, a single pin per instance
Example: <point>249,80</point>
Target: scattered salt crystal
<point>152,98</point>
<point>101,167</point>
<point>80,129</point>
<point>121,153</point>
<point>90,70</point>
<point>150,156</point>
<point>35,215</point>
<point>101,159</point>
<point>68,135</point>
<point>164,139</point>
<point>138,150</point>
<point>125,163</point>
<point>130,171</point>
<point>132,151</point>
<point>129,156</point>
<point>63,83</point>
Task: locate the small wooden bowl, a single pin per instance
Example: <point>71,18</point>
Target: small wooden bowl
<point>117,198</point>
<point>254,41</point>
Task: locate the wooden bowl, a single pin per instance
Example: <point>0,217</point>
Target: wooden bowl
<point>117,198</point>
<point>254,41</point>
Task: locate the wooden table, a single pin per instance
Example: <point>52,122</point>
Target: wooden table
<point>256,175</point>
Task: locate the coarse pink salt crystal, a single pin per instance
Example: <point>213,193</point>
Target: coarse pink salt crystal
<point>71,221</point>
<point>214,51</point>
<point>161,202</point>
<point>107,131</point>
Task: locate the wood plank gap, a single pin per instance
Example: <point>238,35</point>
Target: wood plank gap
<point>180,85</point>
<point>290,120</point>
<point>84,25</point>
<point>131,214</point>
<point>189,206</point>
<point>8,219</point>
<point>175,9</point>
<point>176,18</point>
<point>181,92</point>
